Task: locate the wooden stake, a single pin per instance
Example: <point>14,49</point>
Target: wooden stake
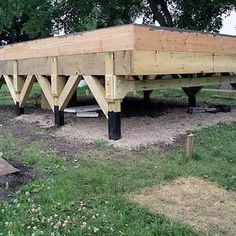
<point>190,145</point>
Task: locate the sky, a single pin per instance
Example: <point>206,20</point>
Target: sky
<point>229,25</point>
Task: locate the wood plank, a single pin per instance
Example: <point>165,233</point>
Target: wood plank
<point>154,62</point>
<point>125,86</point>
<point>35,66</point>
<point>9,82</point>
<point>98,92</point>
<point>46,88</point>
<point>174,40</point>
<point>28,84</point>
<point>87,64</point>
<point>6,68</point>
<point>102,40</point>
<point>68,91</point>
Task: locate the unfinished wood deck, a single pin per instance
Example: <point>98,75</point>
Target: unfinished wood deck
<point>115,61</point>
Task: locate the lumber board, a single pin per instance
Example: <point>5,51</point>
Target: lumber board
<point>155,62</point>
<point>121,38</point>
<point>124,86</point>
<point>102,40</point>
<point>175,40</point>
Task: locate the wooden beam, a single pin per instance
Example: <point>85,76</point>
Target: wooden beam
<point>28,84</point>
<point>68,91</point>
<point>9,82</point>
<point>57,81</point>
<point>155,62</point>
<point>98,92</point>
<point>125,86</point>
<point>46,88</point>
<point>179,40</point>
<point>102,40</point>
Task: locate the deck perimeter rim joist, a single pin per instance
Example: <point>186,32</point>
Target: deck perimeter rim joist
<point>121,38</point>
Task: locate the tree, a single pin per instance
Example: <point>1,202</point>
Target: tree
<point>202,15</point>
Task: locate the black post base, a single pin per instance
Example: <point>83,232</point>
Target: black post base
<point>192,101</point>
<point>114,125</point>
<point>59,117</point>
<point>147,96</point>
<point>19,110</point>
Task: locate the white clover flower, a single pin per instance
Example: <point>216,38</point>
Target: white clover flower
<point>94,217</point>
<point>84,224</point>
<point>56,215</point>
<point>35,228</point>
<point>95,229</point>
<point>63,225</point>
<point>27,193</point>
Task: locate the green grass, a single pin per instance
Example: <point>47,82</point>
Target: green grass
<point>87,197</point>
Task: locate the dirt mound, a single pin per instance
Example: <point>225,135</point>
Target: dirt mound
<point>202,204</point>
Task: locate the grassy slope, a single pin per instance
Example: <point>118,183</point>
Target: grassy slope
<point>87,197</point>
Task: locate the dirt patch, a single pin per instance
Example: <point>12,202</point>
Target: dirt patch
<point>12,183</point>
<point>202,204</point>
<point>158,122</point>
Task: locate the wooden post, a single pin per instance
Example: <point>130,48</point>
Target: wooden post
<point>190,145</point>
<point>114,105</point>
<point>57,86</point>
<point>18,83</point>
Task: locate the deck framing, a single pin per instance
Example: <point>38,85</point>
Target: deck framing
<point>114,62</point>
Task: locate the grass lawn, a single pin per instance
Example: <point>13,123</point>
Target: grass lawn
<point>87,196</point>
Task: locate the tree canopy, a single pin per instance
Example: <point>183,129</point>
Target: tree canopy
<point>22,20</point>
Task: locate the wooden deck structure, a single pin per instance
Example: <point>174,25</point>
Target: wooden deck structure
<point>115,61</point>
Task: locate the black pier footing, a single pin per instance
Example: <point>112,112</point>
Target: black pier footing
<point>19,110</point>
<point>114,125</point>
<point>191,93</point>
<point>59,117</point>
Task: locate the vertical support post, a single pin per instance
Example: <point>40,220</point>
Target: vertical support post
<point>114,125</point>
<point>19,110</point>
<point>18,83</point>
<point>190,145</point>
<point>114,105</point>
<point>1,81</point>
<point>233,86</point>
<point>58,116</point>
<point>191,93</point>
<point>57,85</point>
<point>146,95</point>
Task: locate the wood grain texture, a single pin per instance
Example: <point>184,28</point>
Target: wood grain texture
<point>171,40</point>
<point>102,40</point>
<point>155,62</point>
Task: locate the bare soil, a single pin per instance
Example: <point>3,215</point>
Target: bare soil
<point>12,182</point>
<point>204,205</point>
<point>142,124</point>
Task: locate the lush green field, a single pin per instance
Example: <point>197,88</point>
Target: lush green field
<point>87,196</point>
